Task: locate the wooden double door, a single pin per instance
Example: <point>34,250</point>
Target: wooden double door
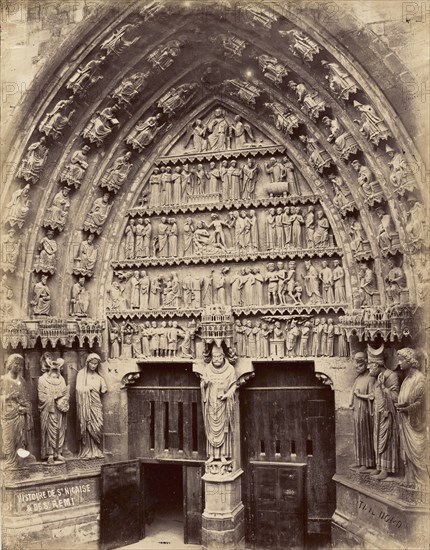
<point>132,491</point>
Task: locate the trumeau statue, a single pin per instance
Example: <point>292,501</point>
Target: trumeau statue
<point>18,207</point>
<point>411,411</point>
<point>362,405</point>
<point>85,261</point>
<point>129,88</point>
<point>100,125</point>
<point>372,126</point>
<point>47,258</point>
<point>303,46</point>
<point>144,132</point>
<point>385,428</point>
<point>218,386</point>
<point>340,82</point>
<point>311,103</point>
<point>85,76</point>
<point>98,214</point>
<point>56,214</point>
<point>54,122</point>
<point>32,164</point>
<point>74,172</point>
<point>117,173</point>
<point>10,248</point>
<point>53,406</point>
<point>16,420</point>
<point>41,301</point>
<point>89,388</point>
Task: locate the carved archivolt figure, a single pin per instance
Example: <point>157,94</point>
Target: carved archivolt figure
<point>54,122</point>
<point>85,76</point>
<point>386,429</point>
<point>100,125</point>
<point>16,418</point>
<point>411,409</point>
<point>401,176</point>
<point>41,301</point>
<point>416,222</point>
<point>385,230</point>
<point>47,259</point>
<point>87,256</point>
<point>6,298</point>
<point>34,161</point>
<point>79,299</point>
<point>117,173</point>
<point>144,132</point>
<point>272,68</point>
<point>312,104</point>
<point>372,125</point>
<point>129,88</point>
<point>303,46</point>
<point>362,405</point>
<point>89,387</point>
<point>177,98</point>
<point>218,386</point>
<point>116,43</point>
<point>56,214</point>
<point>18,207</point>
<point>53,405</point>
<point>339,283</point>
<point>98,214</point>
<point>74,172</point>
<point>343,141</point>
<point>318,156</point>
<point>396,281</point>
<point>340,82</point>
<point>10,248</point>
<point>368,286</point>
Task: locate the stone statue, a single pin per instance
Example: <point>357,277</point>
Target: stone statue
<point>386,231</point>
<point>340,82</point>
<point>163,56</point>
<point>32,164</point>
<point>79,299</point>
<point>321,232</point>
<point>6,298</point>
<point>372,125</point>
<point>145,284</point>
<point>385,428</point>
<point>249,175</point>
<point>187,345</point>
<point>10,248</point>
<point>244,90</point>
<point>144,132</point>
<point>218,130</point>
<point>18,207</point>
<point>339,283</point>
<point>358,237</point>
<point>303,46</point>
<point>218,386</point>
<point>116,175</point>
<point>309,220</point>
<point>129,88</point>
<point>416,222</point>
<point>86,259</point>
<point>400,173</point>
<point>98,214</point>
<point>176,98</point>
<point>89,387</point>
<point>197,135</point>
<point>16,418</point>
<point>242,132</point>
<point>129,244</point>
<point>74,172</point>
<point>342,141</point>
<point>53,406</point>
<point>396,282</point>
<point>342,196</point>
<point>47,258</point>
<point>285,121</point>
<point>116,43</point>
<point>362,405</point>
<point>318,156</point>
<point>411,410</point>
<point>311,283</point>
<point>312,104</point>
<point>56,214</point>
<point>155,188</point>
<point>370,187</point>
<point>272,68</point>
<point>296,220</point>
<point>54,122</point>
<point>368,286</point>
<point>326,278</point>
<point>41,301</point>
<point>134,290</point>
<point>101,125</point>
<point>85,76</point>
<point>115,341</point>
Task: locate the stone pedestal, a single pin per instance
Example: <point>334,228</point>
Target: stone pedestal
<point>380,515</point>
<point>223,520</point>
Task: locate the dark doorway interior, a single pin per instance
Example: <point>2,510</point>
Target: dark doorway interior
<point>164,498</point>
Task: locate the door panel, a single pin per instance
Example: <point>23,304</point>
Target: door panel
<point>122,504</point>
<point>193,503</point>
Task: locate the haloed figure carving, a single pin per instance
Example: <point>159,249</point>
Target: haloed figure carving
<point>218,386</point>
<point>89,387</point>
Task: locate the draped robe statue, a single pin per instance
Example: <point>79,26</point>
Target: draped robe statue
<point>53,406</point>
<point>89,387</point>
<point>218,386</point>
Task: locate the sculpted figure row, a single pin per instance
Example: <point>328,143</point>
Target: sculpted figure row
<point>389,418</point>
<point>54,403</point>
